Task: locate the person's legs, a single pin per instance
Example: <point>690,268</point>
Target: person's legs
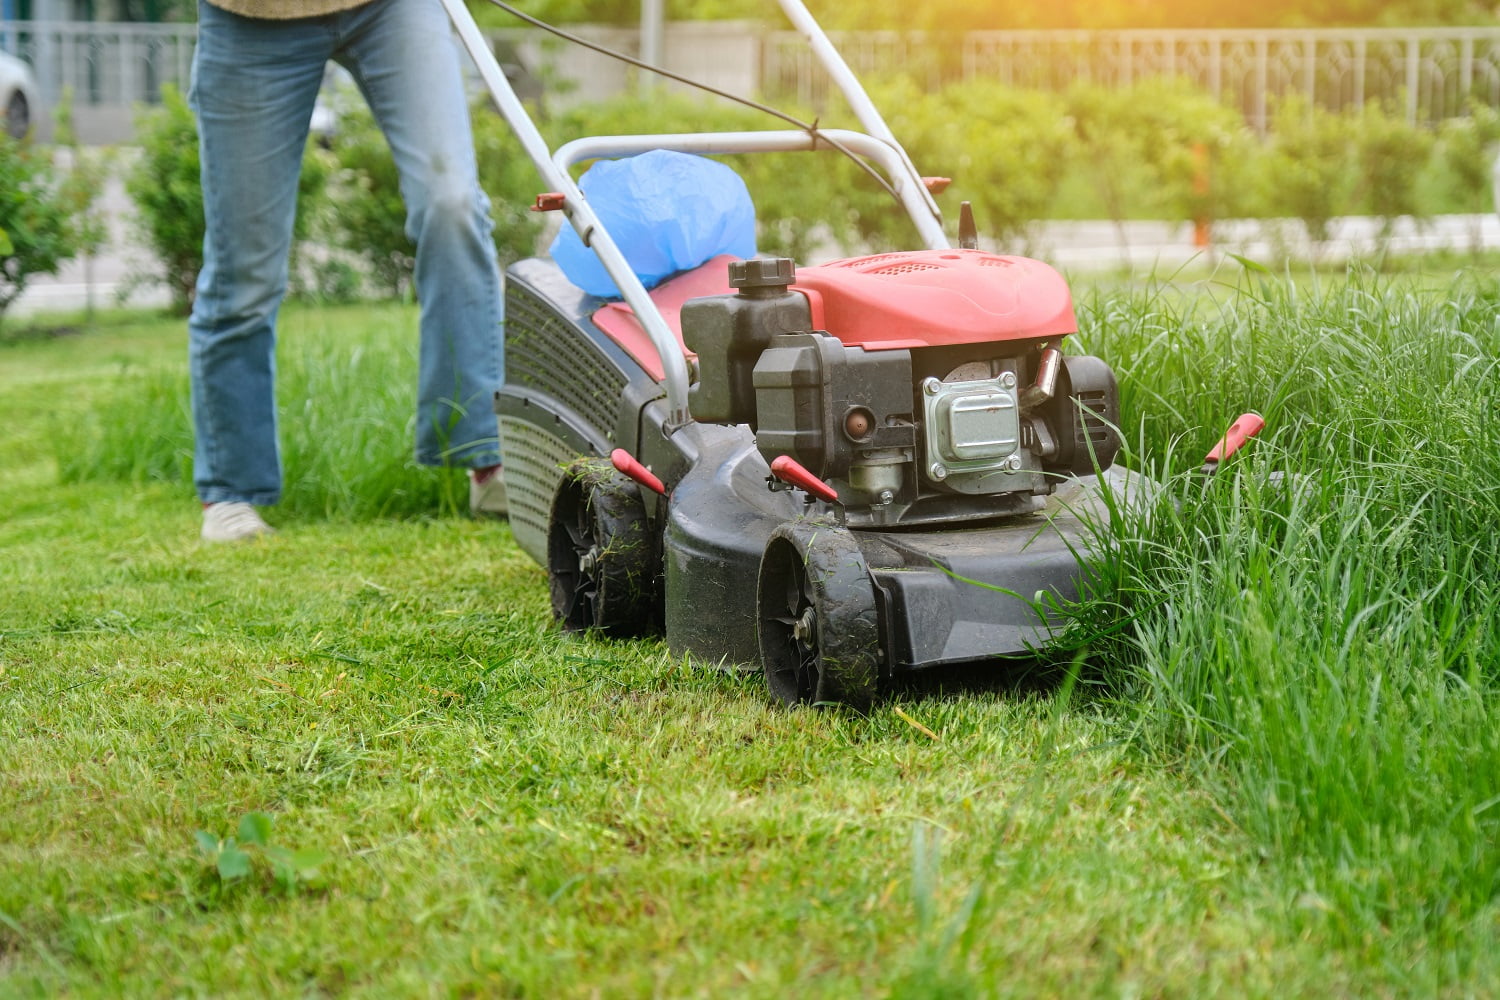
<point>254,86</point>
<point>404,57</point>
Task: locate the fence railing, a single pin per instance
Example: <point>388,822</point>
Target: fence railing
<point>1429,73</point>
<point>108,63</point>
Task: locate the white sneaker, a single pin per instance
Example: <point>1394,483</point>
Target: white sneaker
<point>487,499</point>
<point>233,521</point>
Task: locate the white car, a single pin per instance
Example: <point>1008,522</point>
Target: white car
<point>18,96</point>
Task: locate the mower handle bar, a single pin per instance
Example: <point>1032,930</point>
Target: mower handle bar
<point>881,146</point>
<point>914,195</point>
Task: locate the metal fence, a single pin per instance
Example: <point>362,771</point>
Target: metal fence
<point>1429,73</point>
<point>103,63</point>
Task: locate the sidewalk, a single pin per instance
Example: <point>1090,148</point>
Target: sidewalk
<point>1165,246</point>
<point>1072,247</point>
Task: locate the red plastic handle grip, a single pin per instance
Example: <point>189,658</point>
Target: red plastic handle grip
<point>789,470</point>
<point>1243,429</point>
<point>626,463</point>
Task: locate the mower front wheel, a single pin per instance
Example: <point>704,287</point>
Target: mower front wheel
<point>816,619</point>
<point>601,558</point>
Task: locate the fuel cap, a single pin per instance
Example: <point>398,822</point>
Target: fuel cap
<point>762,272</point>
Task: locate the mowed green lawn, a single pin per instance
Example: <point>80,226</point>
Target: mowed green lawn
<point>1271,768</point>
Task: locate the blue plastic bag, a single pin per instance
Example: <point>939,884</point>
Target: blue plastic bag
<point>666,211</point>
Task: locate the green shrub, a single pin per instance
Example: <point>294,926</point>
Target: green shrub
<point>43,217</point>
<point>1200,151</point>
<point>1466,148</point>
<point>1002,147</point>
<point>1165,149</point>
<point>167,191</point>
<point>1308,165</point>
<point>1391,153</point>
<point>166,187</point>
<point>87,171</point>
<point>367,217</point>
<point>1108,153</point>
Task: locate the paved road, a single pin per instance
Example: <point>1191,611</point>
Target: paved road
<point>1071,246</point>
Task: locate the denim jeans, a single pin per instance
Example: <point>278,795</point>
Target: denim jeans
<point>254,85</point>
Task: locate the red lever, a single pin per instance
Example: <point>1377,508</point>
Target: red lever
<point>550,201</point>
<point>937,185</point>
<point>788,470</point>
<point>1243,429</point>
<point>626,463</point>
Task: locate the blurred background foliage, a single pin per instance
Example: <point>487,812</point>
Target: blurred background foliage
<point>1159,149</point>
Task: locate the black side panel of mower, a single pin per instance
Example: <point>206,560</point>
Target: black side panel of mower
<point>569,391</point>
<point>960,595</point>
<point>934,615</point>
<point>721,515</point>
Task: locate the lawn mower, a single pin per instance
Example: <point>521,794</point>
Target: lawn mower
<point>840,472</point>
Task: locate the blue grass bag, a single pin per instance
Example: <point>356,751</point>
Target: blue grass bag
<point>666,211</point>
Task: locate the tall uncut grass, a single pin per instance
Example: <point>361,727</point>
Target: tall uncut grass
<point>1324,645</point>
<point>346,391</point>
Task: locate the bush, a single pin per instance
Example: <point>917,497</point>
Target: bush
<point>168,195</point>
<point>1176,151</point>
<point>1002,147</point>
<point>1466,149</point>
<point>1109,154</point>
<point>166,187</point>
<point>1391,154</point>
<point>43,217</point>
<point>367,217</point>
<point>1308,163</point>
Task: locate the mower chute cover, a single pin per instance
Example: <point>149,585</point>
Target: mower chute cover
<point>667,211</point>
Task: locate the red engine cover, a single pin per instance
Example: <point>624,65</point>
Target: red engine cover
<point>926,298</point>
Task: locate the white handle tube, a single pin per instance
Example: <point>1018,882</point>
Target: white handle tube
<point>889,158</point>
<point>864,109</point>
<point>578,212</point>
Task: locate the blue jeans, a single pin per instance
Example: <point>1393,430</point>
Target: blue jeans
<point>253,88</point>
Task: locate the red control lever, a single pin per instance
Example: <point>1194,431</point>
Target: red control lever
<point>789,470</point>
<point>627,464</point>
<point>1243,429</point>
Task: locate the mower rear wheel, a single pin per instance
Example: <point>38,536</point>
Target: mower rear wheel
<point>816,619</point>
<point>601,560</point>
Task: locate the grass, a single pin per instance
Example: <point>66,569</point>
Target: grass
<point>1280,778</point>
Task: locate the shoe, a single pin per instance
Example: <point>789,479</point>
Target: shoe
<point>233,521</point>
<point>487,495</point>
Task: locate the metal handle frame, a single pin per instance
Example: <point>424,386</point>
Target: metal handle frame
<point>879,145</point>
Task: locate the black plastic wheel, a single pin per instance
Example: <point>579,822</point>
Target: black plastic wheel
<point>601,557</point>
<point>17,116</point>
<point>816,618</point>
